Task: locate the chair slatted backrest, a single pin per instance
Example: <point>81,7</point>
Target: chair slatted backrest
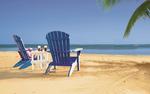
<point>21,48</point>
<point>59,45</point>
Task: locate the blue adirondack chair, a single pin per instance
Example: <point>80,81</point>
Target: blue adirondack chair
<point>25,59</point>
<point>59,45</point>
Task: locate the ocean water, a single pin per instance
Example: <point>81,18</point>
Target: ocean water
<point>128,49</point>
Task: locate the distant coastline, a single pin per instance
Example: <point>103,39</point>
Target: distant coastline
<point>142,49</point>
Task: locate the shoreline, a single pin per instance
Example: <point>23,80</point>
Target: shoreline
<point>99,54</point>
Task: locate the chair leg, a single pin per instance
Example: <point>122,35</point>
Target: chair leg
<point>41,65</point>
<point>48,69</point>
<point>78,64</point>
<point>32,66</point>
<point>19,63</point>
<point>71,69</point>
<point>54,67</point>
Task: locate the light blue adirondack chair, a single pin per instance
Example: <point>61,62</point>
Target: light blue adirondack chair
<point>59,45</point>
<point>25,59</point>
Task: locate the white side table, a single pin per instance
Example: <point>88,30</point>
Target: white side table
<point>39,57</point>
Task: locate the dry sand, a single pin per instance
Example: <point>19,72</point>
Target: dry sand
<point>99,74</point>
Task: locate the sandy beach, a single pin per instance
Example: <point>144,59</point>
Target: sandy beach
<point>99,74</point>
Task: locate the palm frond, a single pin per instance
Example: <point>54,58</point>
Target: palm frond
<point>142,11</point>
<point>108,3</point>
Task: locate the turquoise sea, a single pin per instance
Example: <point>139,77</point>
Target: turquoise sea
<point>131,49</point>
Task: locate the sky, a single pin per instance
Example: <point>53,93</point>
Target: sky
<point>84,20</point>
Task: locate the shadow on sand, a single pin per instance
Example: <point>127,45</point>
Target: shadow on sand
<point>90,68</point>
<point>15,73</point>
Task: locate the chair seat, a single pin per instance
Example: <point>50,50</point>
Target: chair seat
<point>67,62</point>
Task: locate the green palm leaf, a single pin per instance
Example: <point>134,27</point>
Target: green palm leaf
<point>108,3</point>
<point>142,11</point>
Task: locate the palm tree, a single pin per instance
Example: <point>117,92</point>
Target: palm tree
<point>142,11</point>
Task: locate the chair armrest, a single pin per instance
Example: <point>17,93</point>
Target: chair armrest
<point>28,49</point>
<point>76,50</point>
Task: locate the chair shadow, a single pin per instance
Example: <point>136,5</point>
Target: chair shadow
<point>25,74</point>
<point>10,73</point>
